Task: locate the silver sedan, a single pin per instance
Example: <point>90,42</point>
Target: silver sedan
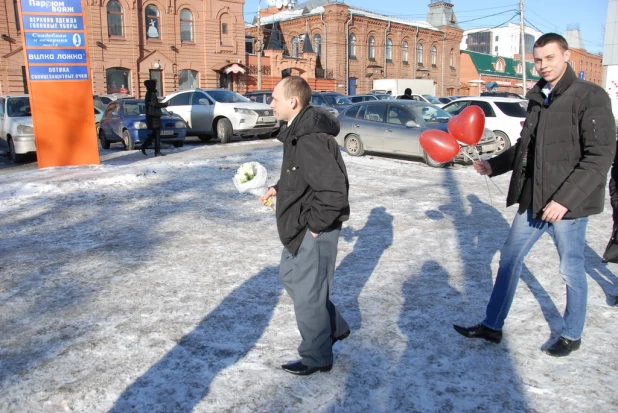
<point>394,126</point>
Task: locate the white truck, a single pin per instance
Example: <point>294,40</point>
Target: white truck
<point>398,86</point>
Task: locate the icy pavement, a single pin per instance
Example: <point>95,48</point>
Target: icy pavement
<point>150,285</point>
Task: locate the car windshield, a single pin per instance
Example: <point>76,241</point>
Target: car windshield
<point>138,109</point>
<point>432,99</point>
<point>227,96</point>
<point>430,114</point>
<point>16,107</point>
<point>512,109</point>
<point>335,100</point>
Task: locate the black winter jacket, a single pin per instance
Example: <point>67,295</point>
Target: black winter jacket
<point>153,106</point>
<point>312,192</point>
<point>613,192</point>
<point>575,146</point>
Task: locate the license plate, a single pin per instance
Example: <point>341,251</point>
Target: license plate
<point>268,119</point>
<point>167,132</point>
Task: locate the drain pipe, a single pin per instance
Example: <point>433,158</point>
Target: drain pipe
<point>323,45</point>
<point>385,43</point>
<point>347,52</point>
<point>415,53</point>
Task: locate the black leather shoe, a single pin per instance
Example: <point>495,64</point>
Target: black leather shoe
<point>563,347</point>
<point>341,337</point>
<point>144,151</point>
<point>480,331</point>
<point>300,369</point>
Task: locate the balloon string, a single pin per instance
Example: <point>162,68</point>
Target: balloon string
<point>478,155</point>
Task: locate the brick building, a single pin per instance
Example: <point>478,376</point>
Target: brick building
<point>344,48</point>
<point>131,41</point>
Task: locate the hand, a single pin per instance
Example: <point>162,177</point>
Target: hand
<point>553,212</point>
<point>482,167</point>
<point>270,193</point>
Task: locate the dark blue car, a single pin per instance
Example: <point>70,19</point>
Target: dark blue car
<point>124,121</point>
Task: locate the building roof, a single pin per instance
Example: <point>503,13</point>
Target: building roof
<point>316,7</point>
<point>486,65</point>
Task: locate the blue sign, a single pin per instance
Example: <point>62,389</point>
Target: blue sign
<point>582,75</point>
<point>51,39</point>
<point>58,72</point>
<point>51,6</point>
<point>58,56</point>
<point>51,22</point>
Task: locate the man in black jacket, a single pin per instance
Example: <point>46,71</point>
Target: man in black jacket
<point>153,117</point>
<point>312,203</point>
<point>560,167</point>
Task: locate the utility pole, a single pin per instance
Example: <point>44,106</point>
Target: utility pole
<point>259,48</point>
<point>523,46</point>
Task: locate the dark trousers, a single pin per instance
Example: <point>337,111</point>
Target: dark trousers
<point>308,278</point>
<point>156,135</point>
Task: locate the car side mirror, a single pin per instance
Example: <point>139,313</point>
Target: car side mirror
<point>203,101</point>
<point>412,124</point>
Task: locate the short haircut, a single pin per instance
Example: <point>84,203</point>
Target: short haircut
<point>297,86</point>
<point>408,91</point>
<point>548,38</point>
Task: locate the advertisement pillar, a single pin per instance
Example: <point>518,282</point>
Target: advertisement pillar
<point>55,43</point>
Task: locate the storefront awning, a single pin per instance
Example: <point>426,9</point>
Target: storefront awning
<point>235,68</point>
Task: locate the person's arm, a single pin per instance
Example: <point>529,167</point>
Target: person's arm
<point>323,174</point>
<point>598,141</point>
<point>613,193</point>
<point>503,163</point>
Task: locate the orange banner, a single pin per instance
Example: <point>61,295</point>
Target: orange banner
<point>55,43</point>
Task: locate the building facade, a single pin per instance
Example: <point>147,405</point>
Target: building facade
<point>499,41</point>
<point>181,44</point>
<point>347,47</point>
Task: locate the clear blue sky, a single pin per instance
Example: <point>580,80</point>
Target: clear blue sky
<point>545,16</point>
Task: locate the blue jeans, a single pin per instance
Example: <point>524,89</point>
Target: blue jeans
<point>570,239</point>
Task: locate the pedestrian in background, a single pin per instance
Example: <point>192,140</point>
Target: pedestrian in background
<point>153,117</point>
<point>560,166</point>
<point>407,94</point>
<point>312,203</point>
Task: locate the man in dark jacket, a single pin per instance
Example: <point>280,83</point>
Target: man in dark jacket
<point>153,117</point>
<point>407,94</point>
<point>560,167</point>
<point>312,203</point>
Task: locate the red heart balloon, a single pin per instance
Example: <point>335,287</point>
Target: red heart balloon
<point>468,126</point>
<point>440,146</point>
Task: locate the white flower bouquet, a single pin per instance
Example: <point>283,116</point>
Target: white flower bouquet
<point>251,178</point>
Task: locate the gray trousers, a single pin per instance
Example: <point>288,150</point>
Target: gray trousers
<point>308,277</point>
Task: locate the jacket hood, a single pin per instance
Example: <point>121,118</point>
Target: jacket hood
<point>563,84</point>
<point>311,120</point>
<point>151,85</point>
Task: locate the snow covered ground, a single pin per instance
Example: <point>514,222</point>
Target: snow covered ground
<point>150,285</point>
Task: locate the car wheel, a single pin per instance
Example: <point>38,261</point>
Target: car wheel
<point>264,136</point>
<point>433,163</point>
<point>354,146</point>
<point>103,140</point>
<point>224,130</point>
<point>179,144</point>
<point>15,157</point>
<point>205,138</point>
<point>129,145</point>
<point>503,140</point>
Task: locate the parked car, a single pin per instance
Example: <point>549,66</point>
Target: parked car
<point>106,99</point>
<point>16,130</point>
<point>445,99</point>
<point>504,116</point>
<point>370,96</point>
<point>424,98</point>
<point>330,99</point>
<point>395,126</point>
<point>124,121</point>
<point>98,115</point>
<point>222,113</point>
<point>502,95</point>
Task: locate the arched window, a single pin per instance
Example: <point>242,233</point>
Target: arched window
<point>114,19</point>
<point>225,30</point>
<point>118,80</point>
<point>389,50</point>
<point>186,26</point>
<point>187,79</point>
<point>519,68</point>
<point>317,44</point>
<point>152,22</point>
<point>371,48</point>
<point>434,55</point>
<point>499,65</point>
<point>419,54</point>
<point>451,58</point>
<point>404,52</point>
<point>352,46</point>
<point>295,47</point>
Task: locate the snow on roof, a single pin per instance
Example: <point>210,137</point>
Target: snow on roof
<point>300,12</point>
